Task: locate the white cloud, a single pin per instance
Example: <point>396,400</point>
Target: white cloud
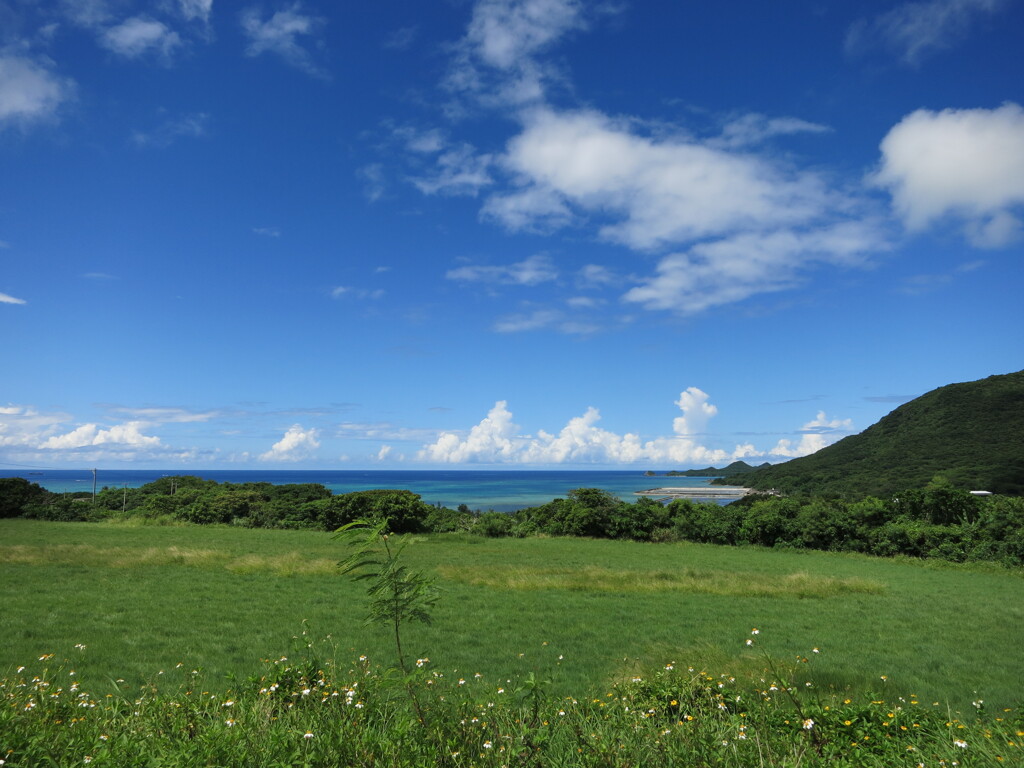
<point>358,293</point>
<point>374,184</point>
<point>808,444</point>
<point>916,29</point>
<point>754,128</point>
<point>697,412</point>
<point>732,269</point>
<point>29,90</point>
<point>420,141</point>
<point>822,425</point>
<point>504,33</point>
<point>296,445</point>
<point>595,275</point>
<point>7,299</point>
<point>544,318</point>
<point>965,163</point>
<point>86,13</point>
<point>137,36</point>
<point>164,415</point>
<point>267,231</point>
<point>383,452</point>
<point>188,126</point>
<point>127,434</point>
<point>459,171</point>
<point>496,439</point>
<point>280,35</point>
<point>532,209</point>
<point>661,190</point>
<point>531,271</point>
<point>817,434</point>
<point>196,10</point>
<point>25,426</point>
<point>498,59</point>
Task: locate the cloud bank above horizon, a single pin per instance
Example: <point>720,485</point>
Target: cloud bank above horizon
<point>34,437</point>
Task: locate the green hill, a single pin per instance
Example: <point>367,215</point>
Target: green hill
<point>971,433</point>
<point>736,468</point>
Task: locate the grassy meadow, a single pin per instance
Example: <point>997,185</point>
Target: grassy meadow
<point>585,613</point>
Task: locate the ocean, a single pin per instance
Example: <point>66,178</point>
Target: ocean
<point>498,490</point>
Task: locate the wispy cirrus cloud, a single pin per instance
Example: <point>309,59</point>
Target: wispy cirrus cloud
<point>164,414</point>
<point>284,35</point>
<point>531,271</point>
<point>916,30</point>
<point>348,291</point>
<point>193,126</point>
<point>8,299</point>
<point>460,170</point>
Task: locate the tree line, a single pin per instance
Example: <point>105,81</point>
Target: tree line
<point>936,521</point>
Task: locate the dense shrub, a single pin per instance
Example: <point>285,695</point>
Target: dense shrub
<point>937,521</point>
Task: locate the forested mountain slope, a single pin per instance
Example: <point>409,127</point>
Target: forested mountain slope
<point>971,433</point>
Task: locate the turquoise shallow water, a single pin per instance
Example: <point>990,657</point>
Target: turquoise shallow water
<point>500,490</point>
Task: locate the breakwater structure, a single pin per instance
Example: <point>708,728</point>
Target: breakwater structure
<point>702,492</point>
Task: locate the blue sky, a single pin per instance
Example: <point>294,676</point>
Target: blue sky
<point>522,233</point>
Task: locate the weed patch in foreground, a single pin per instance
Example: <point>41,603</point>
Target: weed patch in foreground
<point>308,710</point>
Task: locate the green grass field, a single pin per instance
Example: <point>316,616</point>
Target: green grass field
<point>586,613</point>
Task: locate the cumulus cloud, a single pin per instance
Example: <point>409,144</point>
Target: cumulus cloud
<point>138,36</point>
<point>817,434</point>
<point>296,445</point>
<point>128,434</point>
<point>280,35</point>
<point>531,271</point>
<point>915,30</point>
<point>660,190</point>
<point>966,163</point>
<point>697,412</point>
<point>497,439</point>
<point>821,424</point>
<point>22,425</point>
<point>29,90</point>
